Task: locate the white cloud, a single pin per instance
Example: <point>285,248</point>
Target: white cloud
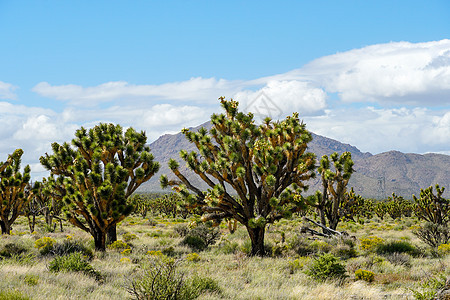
<point>401,72</point>
<point>281,98</point>
<point>195,89</point>
<point>377,130</point>
<point>7,91</point>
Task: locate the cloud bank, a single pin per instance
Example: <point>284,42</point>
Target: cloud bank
<point>392,96</point>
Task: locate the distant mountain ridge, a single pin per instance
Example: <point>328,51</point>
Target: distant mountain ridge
<point>376,176</point>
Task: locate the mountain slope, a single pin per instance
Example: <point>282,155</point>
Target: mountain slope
<point>376,176</point>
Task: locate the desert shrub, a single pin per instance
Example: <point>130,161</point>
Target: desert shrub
<point>370,243</point>
<point>181,229</point>
<point>343,247</point>
<point>433,234</point>
<point>11,249</point>
<point>320,246</point>
<point>69,246</point>
<point>31,280</point>
<point>295,265</point>
<point>443,249</point>
<point>45,245</point>
<point>427,289</point>
<point>399,259</point>
<point>194,257</point>
<point>326,266</point>
<point>364,275</point>
<point>128,237</point>
<point>227,247</point>
<point>396,247</point>
<point>168,251</point>
<point>74,262</point>
<point>161,279</point>
<point>118,245</point>
<point>200,237</point>
<point>301,246</point>
<point>23,259</point>
<point>12,295</point>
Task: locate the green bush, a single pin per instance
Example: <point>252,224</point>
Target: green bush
<point>45,245</point>
<point>396,247</point>
<point>161,279</point>
<point>118,245</point>
<point>427,289</point>
<point>70,246</point>
<point>74,262</point>
<point>31,280</point>
<point>11,249</point>
<point>200,237</point>
<point>326,266</point>
<point>364,275</point>
<point>128,237</point>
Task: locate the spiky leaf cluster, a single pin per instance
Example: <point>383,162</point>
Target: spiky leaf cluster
<point>98,172</point>
<point>12,189</point>
<point>263,164</point>
<point>433,207</point>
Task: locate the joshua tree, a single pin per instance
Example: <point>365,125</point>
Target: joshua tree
<point>435,210</point>
<point>12,190</point>
<point>265,166</point>
<point>96,177</point>
<point>334,185</point>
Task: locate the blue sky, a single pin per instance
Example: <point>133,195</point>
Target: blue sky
<point>374,74</point>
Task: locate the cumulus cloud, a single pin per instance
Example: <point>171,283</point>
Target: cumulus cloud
<point>399,73</point>
<point>280,98</point>
<point>7,91</point>
<point>195,89</point>
<point>375,130</point>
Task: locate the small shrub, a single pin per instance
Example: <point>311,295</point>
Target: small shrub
<point>326,266</point>
<point>11,249</point>
<point>74,262</point>
<point>181,229</point>
<point>161,279</point>
<point>443,249</point>
<point>200,237</point>
<point>194,242</point>
<point>396,247</point>
<point>31,280</point>
<point>154,253</point>
<point>433,234</point>
<point>194,257</point>
<point>295,265</point>
<point>169,251</point>
<point>227,247</point>
<point>128,237</point>
<point>118,245</point>
<point>45,245</point>
<point>364,275</point>
<point>370,243</point>
<point>69,246</point>
<point>399,259</point>
<point>428,289</point>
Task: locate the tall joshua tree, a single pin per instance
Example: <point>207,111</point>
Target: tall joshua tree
<point>265,166</point>
<point>334,185</point>
<point>96,176</point>
<point>12,190</point>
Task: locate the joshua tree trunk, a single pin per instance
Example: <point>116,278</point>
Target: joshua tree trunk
<point>6,227</point>
<point>112,235</point>
<point>99,240</point>
<point>257,238</point>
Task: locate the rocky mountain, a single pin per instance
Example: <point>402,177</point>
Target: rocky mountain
<point>376,176</point>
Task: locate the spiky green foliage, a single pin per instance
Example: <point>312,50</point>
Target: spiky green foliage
<point>397,206</point>
<point>432,207</point>
<point>435,210</point>
<point>12,190</point>
<point>334,183</point>
<point>97,175</point>
<point>264,165</point>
